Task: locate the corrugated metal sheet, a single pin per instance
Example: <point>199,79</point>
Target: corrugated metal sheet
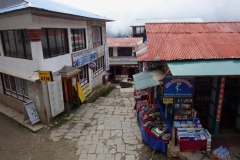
<point>182,41</point>
<point>204,68</point>
<point>54,7</point>
<point>141,22</point>
<point>123,42</point>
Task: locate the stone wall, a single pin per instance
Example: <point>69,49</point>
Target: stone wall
<point>100,49</point>
<point>38,92</point>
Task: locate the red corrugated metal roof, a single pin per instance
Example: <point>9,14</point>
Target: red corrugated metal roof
<point>123,42</point>
<point>180,41</point>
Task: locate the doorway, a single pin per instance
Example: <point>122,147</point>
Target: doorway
<point>131,71</point>
<point>230,106</point>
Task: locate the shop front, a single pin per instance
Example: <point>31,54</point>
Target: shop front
<point>122,72</point>
<point>216,94</point>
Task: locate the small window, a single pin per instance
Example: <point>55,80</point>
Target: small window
<point>54,42</point>
<point>15,87</point>
<point>83,75</point>
<point>16,43</point>
<point>126,51</point>
<point>96,36</point>
<point>110,52</point>
<point>99,63</point>
<point>78,39</point>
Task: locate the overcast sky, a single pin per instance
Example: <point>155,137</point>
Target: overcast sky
<point>124,12</point>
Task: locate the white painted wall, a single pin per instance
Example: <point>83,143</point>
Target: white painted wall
<point>28,21</point>
<point>16,22</point>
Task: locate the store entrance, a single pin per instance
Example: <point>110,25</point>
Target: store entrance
<point>131,71</point>
<point>202,98</point>
<point>230,106</point>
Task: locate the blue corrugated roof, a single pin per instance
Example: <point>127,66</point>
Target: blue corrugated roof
<point>54,7</point>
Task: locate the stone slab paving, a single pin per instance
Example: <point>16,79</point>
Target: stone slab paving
<point>106,129</point>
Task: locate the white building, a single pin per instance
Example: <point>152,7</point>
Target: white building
<point>45,35</point>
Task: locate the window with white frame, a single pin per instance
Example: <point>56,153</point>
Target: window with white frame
<point>15,87</point>
<point>99,63</point>
<point>83,75</point>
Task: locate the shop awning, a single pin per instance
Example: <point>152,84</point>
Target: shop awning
<point>147,79</point>
<point>205,68</point>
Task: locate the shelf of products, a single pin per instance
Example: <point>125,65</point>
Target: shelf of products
<point>202,95</point>
<point>182,109</point>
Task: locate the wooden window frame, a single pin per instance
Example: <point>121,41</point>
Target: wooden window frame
<point>65,44</point>
<point>79,32</point>
<point>96,36</point>
<point>15,94</point>
<point>100,64</point>
<point>24,40</point>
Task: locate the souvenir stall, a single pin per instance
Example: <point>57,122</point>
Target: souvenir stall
<point>187,129</point>
<point>156,130</point>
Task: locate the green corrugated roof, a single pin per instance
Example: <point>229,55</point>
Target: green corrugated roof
<point>204,68</point>
<point>147,79</point>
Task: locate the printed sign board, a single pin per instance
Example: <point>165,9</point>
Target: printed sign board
<point>56,96</point>
<point>106,58</point>
<point>81,94</point>
<point>86,89</point>
<point>220,98</point>
<point>32,112</point>
<point>167,100</point>
<point>45,76</point>
<point>84,57</point>
<point>178,87</point>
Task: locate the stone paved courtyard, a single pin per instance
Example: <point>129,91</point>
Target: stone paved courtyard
<point>106,129</point>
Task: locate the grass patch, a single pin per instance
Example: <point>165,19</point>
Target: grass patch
<point>61,122</point>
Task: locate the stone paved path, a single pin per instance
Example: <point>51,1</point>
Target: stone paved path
<point>106,129</point>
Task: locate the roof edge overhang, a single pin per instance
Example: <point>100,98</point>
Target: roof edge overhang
<point>47,13</point>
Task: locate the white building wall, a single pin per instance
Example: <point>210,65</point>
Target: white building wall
<point>28,21</point>
<point>56,63</point>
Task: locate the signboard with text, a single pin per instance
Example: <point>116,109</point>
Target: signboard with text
<point>178,87</point>
<point>107,67</point>
<point>55,92</point>
<point>168,100</point>
<point>84,57</point>
<point>32,112</point>
<point>220,98</point>
<point>45,76</point>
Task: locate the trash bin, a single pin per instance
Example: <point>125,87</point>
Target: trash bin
<point>105,79</point>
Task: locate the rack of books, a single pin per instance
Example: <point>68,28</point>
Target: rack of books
<point>183,109</point>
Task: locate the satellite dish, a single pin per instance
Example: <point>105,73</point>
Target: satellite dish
<point>92,65</point>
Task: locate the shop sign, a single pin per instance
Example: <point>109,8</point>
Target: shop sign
<point>84,57</point>
<point>86,89</point>
<point>55,92</point>
<point>32,112</point>
<point>107,67</point>
<point>81,94</point>
<point>220,98</point>
<point>178,87</point>
<point>168,100</point>
<point>45,76</point>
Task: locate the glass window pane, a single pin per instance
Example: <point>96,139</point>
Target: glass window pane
<point>6,43</point>
<point>25,86</point>
<point>12,82</point>
<point>6,81</point>
<point>45,44</point>
<point>76,39</point>
<point>12,44</point>
<point>52,42</point>
<point>72,40</point>
<point>65,40</point>
<point>19,85</point>
<point>58,34</point>
<point>27,45</point>
<point>19,43</point>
